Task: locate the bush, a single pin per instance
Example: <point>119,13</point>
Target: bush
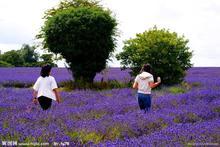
<point>16,84</point>
<point>167,53</point>
<point>71,85</point>
<point>176,90</point>
<point>5,64</point>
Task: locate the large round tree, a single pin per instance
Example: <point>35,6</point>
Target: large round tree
<point>83,32</point>
<point>167,53</point>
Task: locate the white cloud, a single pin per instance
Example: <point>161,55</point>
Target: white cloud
<point>21,20</point>
<point>198,20</point>
<point>8,47</point>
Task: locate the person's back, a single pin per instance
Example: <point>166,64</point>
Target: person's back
<point>143,83</point>
<point>45,89</point>
<point>45,86</point>
<point>143,80</point>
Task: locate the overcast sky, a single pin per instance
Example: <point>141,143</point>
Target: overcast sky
<point>197,20</point>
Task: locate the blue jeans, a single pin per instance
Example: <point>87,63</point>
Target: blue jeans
<point>144,101</point>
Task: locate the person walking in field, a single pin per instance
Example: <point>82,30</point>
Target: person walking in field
<point>45,89</point>
<point>144,82</point>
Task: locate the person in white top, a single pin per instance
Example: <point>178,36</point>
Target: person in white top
<point>46,89</point>
<point>144,82</point>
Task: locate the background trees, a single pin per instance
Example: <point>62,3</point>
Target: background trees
<point>167,52</point>
<point>47,59</point>
<point>25,57</point>
<point>12,58</point>
<point>28,54</point>
<point>5,64</point>
<point>83,33</point>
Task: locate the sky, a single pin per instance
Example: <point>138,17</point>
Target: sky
<point>197,20</point>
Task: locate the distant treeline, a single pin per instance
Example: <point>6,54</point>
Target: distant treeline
<point>25,57</point>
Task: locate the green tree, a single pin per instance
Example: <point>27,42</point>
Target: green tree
<point>83,33</point>
<point>29,55</point>
<point>13,57</point>
<point>5,64</point>
<point>47,59</point>
<point>167,53</point>
<point>65,4</point>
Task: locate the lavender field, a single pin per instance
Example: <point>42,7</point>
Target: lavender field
<point>112,117</point>
<point>24,75</point>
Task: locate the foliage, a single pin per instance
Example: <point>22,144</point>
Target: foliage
<point>83,33</point>
<point>65,4</point>
<point>16,84</point>
<point>85,137</point>
<point>167,52</point>
<point>176,90</point>
<point>103,85</point>
<point>12,57</point>
<point>29,55</point>
<point>5,64</point>
<point>47,59</point>
<point>25,57</point>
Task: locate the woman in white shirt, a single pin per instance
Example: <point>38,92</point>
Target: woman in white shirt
<point>45,89</point>
<point>144,82</point>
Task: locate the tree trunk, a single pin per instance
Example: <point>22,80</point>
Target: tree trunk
<point>83,80</point>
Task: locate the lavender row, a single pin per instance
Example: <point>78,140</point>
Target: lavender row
<point>29,75</point>
<point>112,117</point>
<point>108,116</point>
<point>199,134</point>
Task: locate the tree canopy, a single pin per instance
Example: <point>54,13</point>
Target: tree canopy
<point>83,33</point>
<point>12,58</point>
<point>28,54</point>
<point>167,53</point>
<point>25,57</point>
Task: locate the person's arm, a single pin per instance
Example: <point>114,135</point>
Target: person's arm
<point>55,89</point>
<point>135,85</point>
<point>153,85</point>
<point>57,94</point>
<point>35,96</point>
<point>35,88</point>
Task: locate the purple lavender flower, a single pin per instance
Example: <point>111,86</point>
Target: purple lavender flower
<point>112,117</point>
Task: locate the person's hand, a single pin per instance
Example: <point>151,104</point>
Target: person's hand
<point>158,79</point>
<point>35,101</point>
<point>58,99</point>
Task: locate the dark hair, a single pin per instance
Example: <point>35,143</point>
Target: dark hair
<point>146,68</point>
<point>45,70</point>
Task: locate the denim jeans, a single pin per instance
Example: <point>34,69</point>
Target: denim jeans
<point>144,101</point>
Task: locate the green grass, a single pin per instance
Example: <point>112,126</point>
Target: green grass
<point>5,124</point>
<point>176,90</point>
<point>111,84</point>
<point>85,137</point>
<point>217,109</point>
<point>16,84</point>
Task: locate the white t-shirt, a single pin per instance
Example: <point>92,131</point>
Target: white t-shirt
<point>143,80</point>
<point>45,86</point>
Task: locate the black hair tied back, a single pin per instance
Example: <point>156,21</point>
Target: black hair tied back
<point>45,70</point>
<point>147,68</point>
